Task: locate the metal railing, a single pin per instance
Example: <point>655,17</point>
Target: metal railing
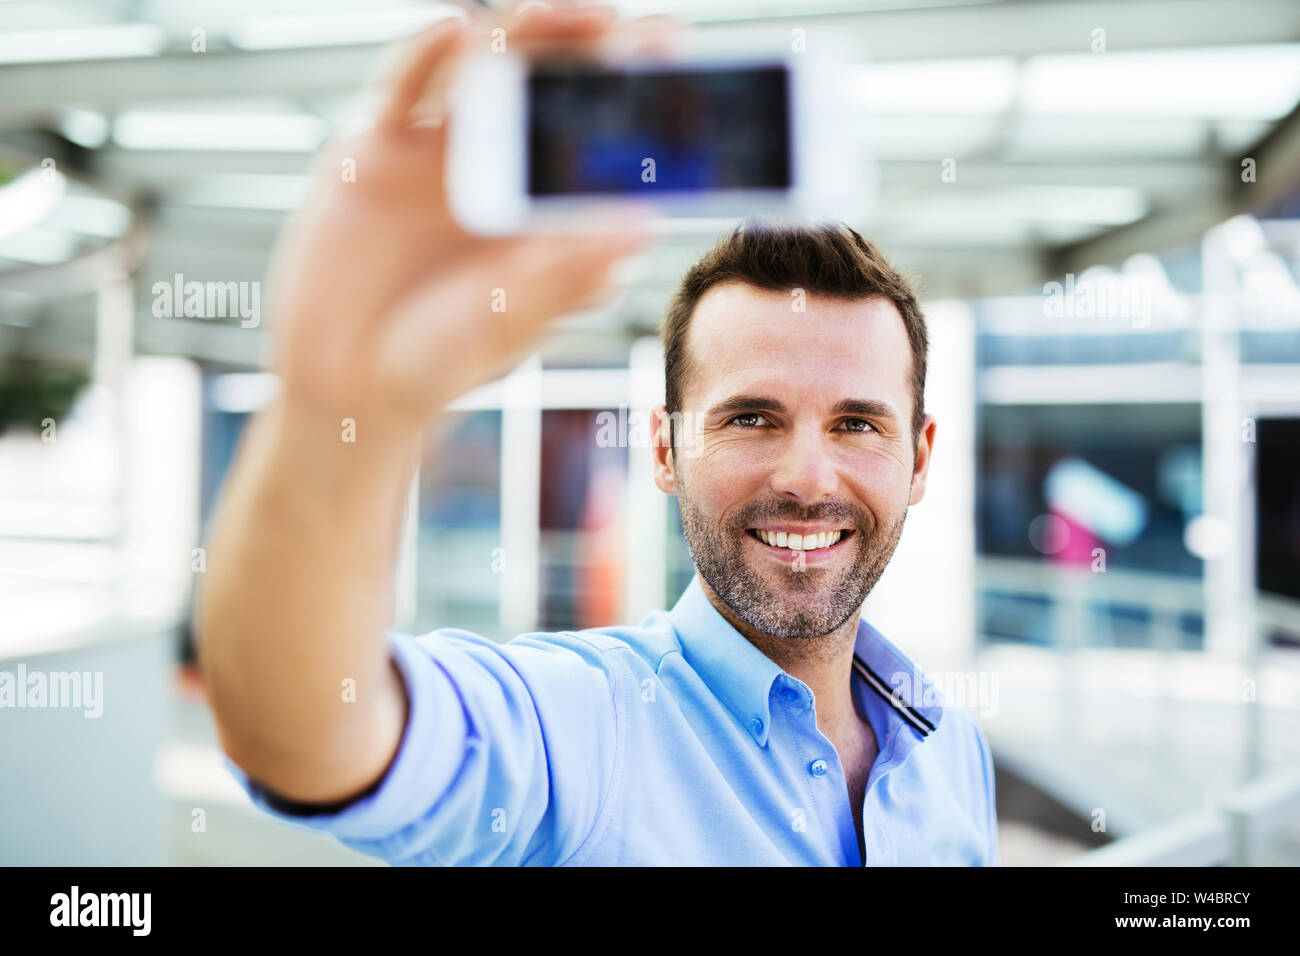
<point>1235,827</point>
<point>1231,833</point>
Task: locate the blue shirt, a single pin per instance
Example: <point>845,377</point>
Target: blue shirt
<point>673,742</point>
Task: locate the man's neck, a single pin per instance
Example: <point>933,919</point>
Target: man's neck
<point>824,663</point>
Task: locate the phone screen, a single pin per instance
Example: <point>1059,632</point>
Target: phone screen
<point>592,130</point>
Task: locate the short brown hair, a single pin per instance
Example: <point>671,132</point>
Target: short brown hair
<point>831,260</point>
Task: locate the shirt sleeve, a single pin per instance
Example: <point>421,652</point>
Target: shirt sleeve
<point>505,759</point>
<point>991,857</point>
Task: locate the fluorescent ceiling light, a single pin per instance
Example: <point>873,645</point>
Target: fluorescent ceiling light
<point>1234,136</point>
<point>336,29</point>
<point>928,138</point>
<point>39,246</point>
<point>89,43</point>
<point>1054,138</point>
<point>1095,205</point>
<point>269,191</point>
<point>1099,205</point>
<point>85,128</point>
<point>29,199</point>
<point>1065,233</point>
<point>91,216</point>
<point>696,12</point>
<point>980,85</point>
<point>253,132</point>
<point>1237,82</point>
<point>272,102</point>
<point>933,223</point>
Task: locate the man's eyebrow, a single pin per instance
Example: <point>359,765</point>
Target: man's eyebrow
<point>746,403</point>
<point>866,407</point>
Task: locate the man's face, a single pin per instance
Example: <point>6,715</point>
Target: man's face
<point>799,423</point>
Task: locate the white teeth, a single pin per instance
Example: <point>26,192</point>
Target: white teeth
<point>801,542</point>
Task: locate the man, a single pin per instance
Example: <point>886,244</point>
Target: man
<point>760,721</point>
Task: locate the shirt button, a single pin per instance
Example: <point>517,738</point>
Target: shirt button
<point>817,768</point>
<point>756,726</point>
<point>789,694</point>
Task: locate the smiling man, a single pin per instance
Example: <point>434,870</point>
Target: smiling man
<point>760,721</point>
<point>811,443</point>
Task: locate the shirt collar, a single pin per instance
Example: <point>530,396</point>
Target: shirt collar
<point>910,695</point>
<point>742,676</point>
<point>734,669</point>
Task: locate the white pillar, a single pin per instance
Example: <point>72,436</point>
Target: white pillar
<point>925,601</point>
<point>647,513</point>
<point>521,476</point>
<point>1229,565</point>
<point>114,347</point>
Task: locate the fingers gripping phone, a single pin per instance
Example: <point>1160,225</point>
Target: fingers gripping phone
<point>535,141</point>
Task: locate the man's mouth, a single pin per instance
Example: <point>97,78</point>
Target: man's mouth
<point>806,541</point>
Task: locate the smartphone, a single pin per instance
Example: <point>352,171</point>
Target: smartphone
<point>535,142</point>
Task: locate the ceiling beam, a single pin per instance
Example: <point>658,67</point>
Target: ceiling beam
<point>1277,167</point>
<point>1277,176</point>
<point>1017,29</point>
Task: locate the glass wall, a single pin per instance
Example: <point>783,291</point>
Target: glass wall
<point>583,538</point>
<point>458,543</point>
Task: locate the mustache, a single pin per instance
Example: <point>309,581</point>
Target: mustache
<point>850,517</point>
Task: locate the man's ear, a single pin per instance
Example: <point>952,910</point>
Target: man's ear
<point>924,446</point>
<point>664,459</point>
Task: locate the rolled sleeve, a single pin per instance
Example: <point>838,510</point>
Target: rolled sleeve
<point>505,758</point>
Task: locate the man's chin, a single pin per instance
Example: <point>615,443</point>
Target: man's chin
<point>795,622</point>
<point>792,594</point>
<point>792,581</point>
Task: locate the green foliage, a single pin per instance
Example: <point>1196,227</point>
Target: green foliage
<point>31,393</point>
<point>9,170</point>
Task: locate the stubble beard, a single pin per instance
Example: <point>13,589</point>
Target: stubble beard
<point>805,603</point>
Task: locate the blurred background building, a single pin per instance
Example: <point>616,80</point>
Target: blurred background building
<point>1100,200</point>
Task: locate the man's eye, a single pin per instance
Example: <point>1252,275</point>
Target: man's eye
<point>859,421</point>
<point>755,415</point>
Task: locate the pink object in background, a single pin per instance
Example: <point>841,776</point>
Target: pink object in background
<point>1079,543</point>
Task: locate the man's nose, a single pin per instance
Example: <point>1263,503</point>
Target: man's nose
<point>806,470</point>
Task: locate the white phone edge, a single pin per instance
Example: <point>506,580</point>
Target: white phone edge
<point>486,160</point>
